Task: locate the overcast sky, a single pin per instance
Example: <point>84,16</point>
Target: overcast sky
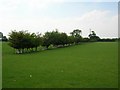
<point>65,15</point>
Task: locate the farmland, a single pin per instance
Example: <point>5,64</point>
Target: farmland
<point>88,65</point>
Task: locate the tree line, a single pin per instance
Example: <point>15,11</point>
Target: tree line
<point>23,41</point>
<point>2,37</point>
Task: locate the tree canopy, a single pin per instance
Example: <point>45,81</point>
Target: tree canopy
<point>24,40</point>
<point>93,37</point>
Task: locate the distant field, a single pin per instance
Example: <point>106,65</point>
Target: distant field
<point>90,65</point>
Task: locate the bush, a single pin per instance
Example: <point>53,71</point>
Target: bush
<point>23,40</point>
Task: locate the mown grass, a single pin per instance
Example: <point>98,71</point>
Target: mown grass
<point>90,65</point>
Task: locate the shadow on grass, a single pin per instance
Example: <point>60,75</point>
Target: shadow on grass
<point>51,49</point>
<point>40,49</point>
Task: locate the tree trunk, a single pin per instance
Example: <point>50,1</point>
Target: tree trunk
<point>32,49</point>
<point>47,47</point>
<point>36,49</point>
<point>22,50</point>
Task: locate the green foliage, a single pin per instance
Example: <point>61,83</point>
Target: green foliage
<point>1,34</point>
<point>93,37</point>
<point>63,39</point>
<point>23,40</point>
<point>71,39</point>
<point>76,34</point>
<point>47,40</point>
<point>108,40</point>
<point>55,38</point>
<point>4,38</point>
<point>85,40</point>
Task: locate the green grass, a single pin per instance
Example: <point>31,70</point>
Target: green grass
<point>90,65</point>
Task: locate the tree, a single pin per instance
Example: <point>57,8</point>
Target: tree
<point>47,39</point>
<point>13,39</point>
<point>85,40</point>
<point>93,37</point>
<point>77,35</point>
<point>55,38</point>
<point>23,40</point>
<point>71,40</point>
<point>37,41</point>
<point>63,39</point>
<point>4,38</point>
<point>1,36</point>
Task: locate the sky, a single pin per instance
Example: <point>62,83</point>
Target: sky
<point>41,16</point>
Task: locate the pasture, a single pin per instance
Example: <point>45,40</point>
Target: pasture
<point>88,65</point>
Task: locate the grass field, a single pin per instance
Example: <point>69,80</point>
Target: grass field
<point>90,65</point>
